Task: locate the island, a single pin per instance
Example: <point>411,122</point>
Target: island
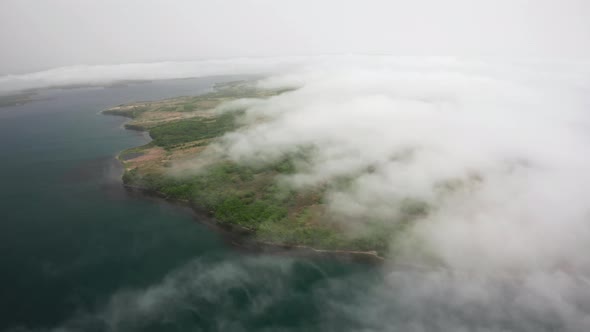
<point>244,200</point>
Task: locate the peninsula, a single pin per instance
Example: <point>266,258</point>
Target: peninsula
<point>243,199</point>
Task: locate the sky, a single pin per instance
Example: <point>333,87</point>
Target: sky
<point>38,35</point>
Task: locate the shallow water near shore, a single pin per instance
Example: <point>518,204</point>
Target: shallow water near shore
<point>79,252</point>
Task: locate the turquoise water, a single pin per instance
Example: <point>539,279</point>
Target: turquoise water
<point>80,253</point>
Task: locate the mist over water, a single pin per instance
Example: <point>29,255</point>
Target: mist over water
<point>495,150</point>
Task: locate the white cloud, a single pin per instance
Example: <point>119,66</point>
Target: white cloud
<point>514,135</point>
<point>106,74</point>
<point>512,138</point>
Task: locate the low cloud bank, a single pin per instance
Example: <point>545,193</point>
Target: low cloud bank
<point>107,74</point>
<point>498,153</point>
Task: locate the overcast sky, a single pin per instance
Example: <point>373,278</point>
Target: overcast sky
<point>40,34</point>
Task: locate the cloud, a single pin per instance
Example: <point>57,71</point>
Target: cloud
<point>233,294</point>
<point>446,300</point>
<point>260,293</point>
<point>106,74</point>
<point>497,150</point>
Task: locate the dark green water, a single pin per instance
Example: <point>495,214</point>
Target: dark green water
<point>80,253</point>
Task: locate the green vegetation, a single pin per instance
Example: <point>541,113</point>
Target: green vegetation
<point>195,129</point>
<point>131,112</point>
<point>135,152</point>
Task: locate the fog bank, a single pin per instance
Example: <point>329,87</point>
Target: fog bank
<point>107,74</point>
<point>497,151</point>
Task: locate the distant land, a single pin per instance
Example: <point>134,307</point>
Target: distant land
<point>27,96</point>
<point>17,99</point>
